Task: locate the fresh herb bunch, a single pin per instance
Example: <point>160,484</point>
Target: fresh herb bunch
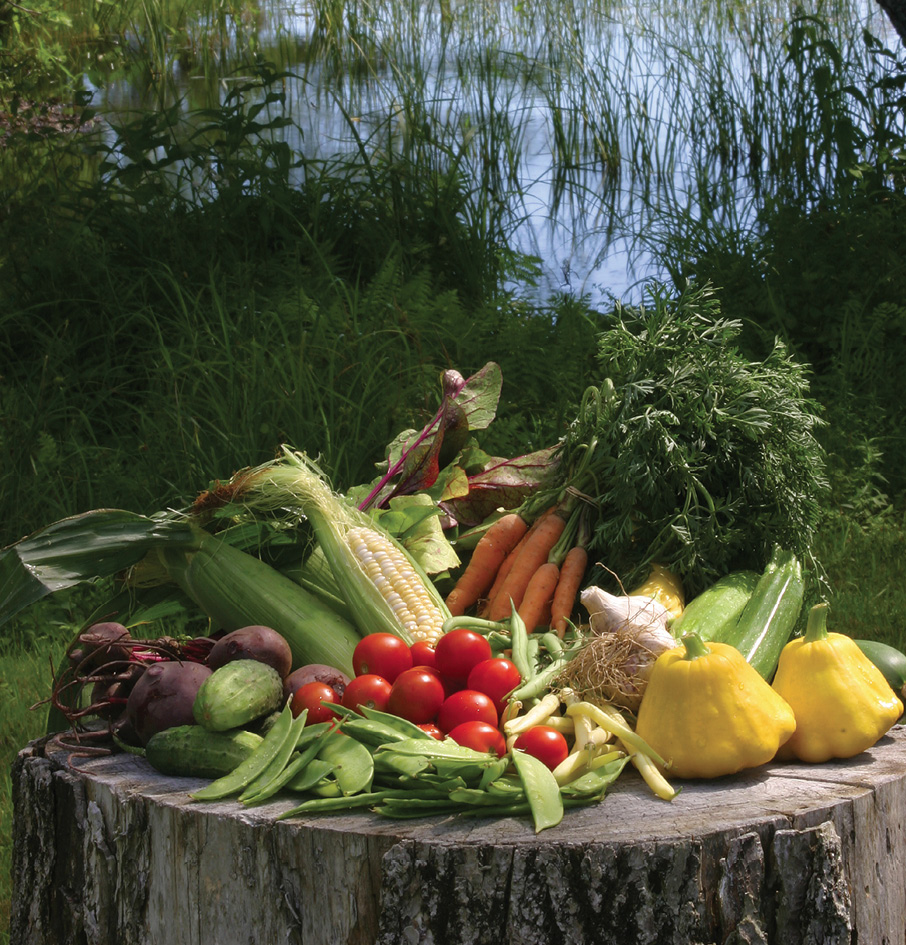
<point>689,454</point>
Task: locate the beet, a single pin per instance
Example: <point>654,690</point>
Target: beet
<point>253,643</point>
<point>101,643</point>
<point>315,672</point>
<point>164,696</point>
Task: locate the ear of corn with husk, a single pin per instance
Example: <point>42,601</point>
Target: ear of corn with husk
<point>385,588</point>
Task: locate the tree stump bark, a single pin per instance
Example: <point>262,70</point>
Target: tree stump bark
<point>108,852</point>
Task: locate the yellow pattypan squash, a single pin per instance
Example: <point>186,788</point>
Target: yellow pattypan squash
<point>841,700</point>
<point>665,587</point>
<point>708,713</point>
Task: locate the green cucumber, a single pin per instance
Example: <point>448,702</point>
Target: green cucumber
<point>717,609</point>
<point>237,693</point>
<point>194,752</point>
<point>769,618</point>
<point>891,662</point>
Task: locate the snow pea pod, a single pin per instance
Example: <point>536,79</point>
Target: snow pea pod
<point>541,789</point>
<point>278,763</point>
<point>273,742</point>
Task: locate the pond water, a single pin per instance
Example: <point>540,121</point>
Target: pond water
<point>587,130</point>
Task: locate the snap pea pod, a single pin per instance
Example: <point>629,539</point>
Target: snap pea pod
<point>439,785</point>
<point>473,797</point>
<point>387,763</point>
<point>278,763</point>
<point>432,749</point>
<point>595,781</point>
<point>352,762</point>
<point>470,772</point>
<point>493,771</point>
<point>292,771</point>
<point>309,775</point>
<point>396,722</point>
<point>372,733</point>
<point>541,789</point>
<point>506,786</point>
<point>271,745</point>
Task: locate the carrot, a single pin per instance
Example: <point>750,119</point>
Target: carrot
<point>533,554</point>
<point>496,543</point>
<point>571,573</point>
<point>504,569</point>
<point>538,595</point>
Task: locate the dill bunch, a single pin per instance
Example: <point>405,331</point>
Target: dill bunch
<point>688,453</point>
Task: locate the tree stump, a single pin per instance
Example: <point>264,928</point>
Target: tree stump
<point>109,852</point>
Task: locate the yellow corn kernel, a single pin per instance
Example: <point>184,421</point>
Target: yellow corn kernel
<point>398,582</point>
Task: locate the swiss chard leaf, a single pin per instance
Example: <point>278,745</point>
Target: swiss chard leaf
<point>415,458</point>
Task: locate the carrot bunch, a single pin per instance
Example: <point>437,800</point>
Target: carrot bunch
<point>537,568</point>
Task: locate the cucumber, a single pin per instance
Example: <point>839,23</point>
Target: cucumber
<point>237,693</point>
<point>714,612</point>
<point>194,752</point>
<point>891,662</point>
<point>769,618</point>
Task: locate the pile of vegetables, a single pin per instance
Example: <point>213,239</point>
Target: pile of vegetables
<point>456,636</point>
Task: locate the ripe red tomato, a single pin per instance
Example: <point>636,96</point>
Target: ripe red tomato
<point>422,653</point>
<point>544,743</point>
<point>416,695</point>
<point>458,651</point>
<point>310,696</point>
<point>479,736</point>
<point>466,705</point>
<point>381,654</point>
<point>369,690</point>
<point>495,678</point>
<point>432,730</point>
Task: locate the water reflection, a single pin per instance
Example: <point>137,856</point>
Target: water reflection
<point>585,125</point>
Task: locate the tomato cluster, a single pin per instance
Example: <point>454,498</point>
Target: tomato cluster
<point>457,689</point>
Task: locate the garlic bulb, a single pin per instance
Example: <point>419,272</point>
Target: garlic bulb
<point>610,612</point>
<point>628,635</point>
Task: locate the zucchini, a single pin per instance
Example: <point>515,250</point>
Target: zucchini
<point>194,752</point>
<point>714,612</point>
<point>769,618</point>
<point>891,662</point>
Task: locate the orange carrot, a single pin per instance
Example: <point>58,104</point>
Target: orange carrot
<point>538,595</point>
<point>496,543</point>
<point>504,569</point>
<point>533,554</point>
<point>571,573</point>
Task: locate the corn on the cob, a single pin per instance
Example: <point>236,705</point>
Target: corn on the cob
<point>383,585</point>
<point>401,587</point>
